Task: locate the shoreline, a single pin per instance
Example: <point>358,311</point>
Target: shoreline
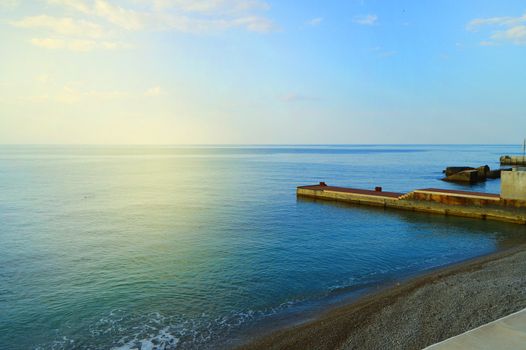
<point>418,311</point>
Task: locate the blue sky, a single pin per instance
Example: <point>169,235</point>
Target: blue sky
<point>255,71</point>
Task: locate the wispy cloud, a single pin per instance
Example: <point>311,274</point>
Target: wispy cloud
<point>97,24</point>
<point>516,35</point>
<point>366,20</point>
<point>487,43</point>
<point>180,15</point>
<point>70,95</point>
<point>211,6</point>
<point>381,52</point>
<point>154,91</point>
<point>79,5</point>
<point>62,26</point>
<point>315,21</point>
<point>295,97</point>
<point>9,4</point>
<point>474,24</point>
<point>388,53</point>
<point>43,78</point>
<point>502,29</point>
<point>78,45</point>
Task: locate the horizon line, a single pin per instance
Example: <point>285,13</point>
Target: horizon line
<point>260,144</point>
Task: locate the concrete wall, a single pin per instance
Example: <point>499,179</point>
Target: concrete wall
<point>346,197</point>
<point>452,199</point>
<point>513,185</point>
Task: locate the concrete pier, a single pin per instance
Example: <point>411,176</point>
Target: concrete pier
<point>437,201</point>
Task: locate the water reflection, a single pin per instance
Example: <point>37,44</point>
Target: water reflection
<point>506,235</point>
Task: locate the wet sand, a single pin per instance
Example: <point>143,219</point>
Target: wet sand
<point>417,313</point>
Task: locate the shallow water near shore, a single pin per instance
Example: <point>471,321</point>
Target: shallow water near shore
<point>197,247</point>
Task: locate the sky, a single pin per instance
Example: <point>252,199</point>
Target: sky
<point>262,71</point>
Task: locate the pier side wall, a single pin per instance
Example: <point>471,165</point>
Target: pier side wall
<point>453,200</point>
<point>345,197</point>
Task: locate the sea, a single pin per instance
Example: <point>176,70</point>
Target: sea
<point>207,247</point>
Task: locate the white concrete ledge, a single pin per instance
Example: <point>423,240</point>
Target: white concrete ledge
<point>506,333</point>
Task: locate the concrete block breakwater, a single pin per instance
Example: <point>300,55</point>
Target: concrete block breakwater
<point>431,200</point>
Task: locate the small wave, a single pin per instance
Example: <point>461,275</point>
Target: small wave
<point>121,330</point>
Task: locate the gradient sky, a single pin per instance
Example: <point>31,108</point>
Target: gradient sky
<point>262,71</point>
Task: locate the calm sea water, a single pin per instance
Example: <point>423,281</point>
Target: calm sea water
<point>199,247</point>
